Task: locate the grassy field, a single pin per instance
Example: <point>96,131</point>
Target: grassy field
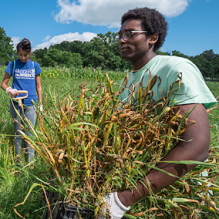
<point>56,84</point>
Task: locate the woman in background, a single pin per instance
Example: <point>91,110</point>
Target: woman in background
<point>26,76</point>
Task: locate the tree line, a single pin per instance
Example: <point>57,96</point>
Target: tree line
<point>102,51</point>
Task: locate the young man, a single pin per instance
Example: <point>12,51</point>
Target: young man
<point>143,31</point>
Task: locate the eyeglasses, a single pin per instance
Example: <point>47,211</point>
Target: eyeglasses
<point>127,35</point>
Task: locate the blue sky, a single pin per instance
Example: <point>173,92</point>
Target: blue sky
<point>193,24</point>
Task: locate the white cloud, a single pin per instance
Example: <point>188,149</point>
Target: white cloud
<point>109,12</point>
<point>86,36</point>
<point>15,41</point>
<point>47,38</point>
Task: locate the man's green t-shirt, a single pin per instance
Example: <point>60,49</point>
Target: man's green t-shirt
<point>193,88</point>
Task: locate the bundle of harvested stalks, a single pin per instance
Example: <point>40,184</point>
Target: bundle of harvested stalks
<point>96,144</point>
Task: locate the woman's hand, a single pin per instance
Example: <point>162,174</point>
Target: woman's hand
<point>11,91</point>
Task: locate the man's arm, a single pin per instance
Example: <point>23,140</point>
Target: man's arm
<point>197,150</point>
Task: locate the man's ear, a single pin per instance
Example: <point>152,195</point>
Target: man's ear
<point>153,38</point>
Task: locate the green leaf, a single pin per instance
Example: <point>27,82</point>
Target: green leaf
<point>191,162</point>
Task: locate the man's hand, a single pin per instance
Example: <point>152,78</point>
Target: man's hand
<point>112,206</point>
<point>11,91</point>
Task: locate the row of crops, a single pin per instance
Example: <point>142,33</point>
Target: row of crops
<point>88,73</point>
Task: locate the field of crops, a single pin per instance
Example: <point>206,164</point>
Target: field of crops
<point>16,182</point>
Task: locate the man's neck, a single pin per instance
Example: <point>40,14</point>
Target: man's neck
<point>137,65</point>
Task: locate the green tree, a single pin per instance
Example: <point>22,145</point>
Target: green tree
<point>76,59</point>
<point>38,55</point>
<point>6,48</point>
<point>158,52</point>
<point>205,63</point>
<point>216,66</point>
<point>63,46</point>
<point>55,57</point>
<point>177,53</point>
<point>77,47</point>
<point>209,64</point>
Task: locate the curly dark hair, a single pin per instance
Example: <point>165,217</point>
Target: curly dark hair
<point>24,45</point>
<point>152,21</point>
